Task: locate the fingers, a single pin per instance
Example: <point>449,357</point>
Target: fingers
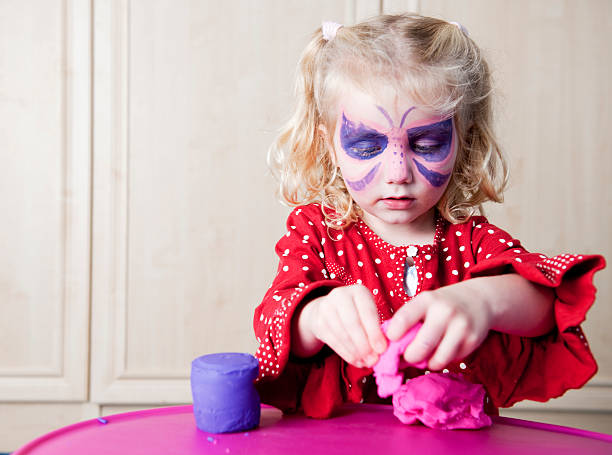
<point>452,328</point>
<point>449,346</point>
<point>405,318</point>
<point>368,315</point>
<point>427,339</point>
<point>330,330</point>
<point>348,323</point>
<point>353,333</point>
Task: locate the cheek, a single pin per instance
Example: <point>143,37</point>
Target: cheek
<point>361,177</point>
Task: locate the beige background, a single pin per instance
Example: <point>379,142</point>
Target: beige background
<point>140,219</point>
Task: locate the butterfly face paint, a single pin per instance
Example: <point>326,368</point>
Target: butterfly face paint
<point>361,142</point>
<point>396,157</point>
<point>431,143</point>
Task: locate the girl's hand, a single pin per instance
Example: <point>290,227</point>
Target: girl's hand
<point>347,321</point>
<point>456,321</point>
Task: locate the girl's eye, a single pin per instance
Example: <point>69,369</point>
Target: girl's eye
<point>366,151</point>
<point>426,146</point>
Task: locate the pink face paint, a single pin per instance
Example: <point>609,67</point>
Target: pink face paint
<point>432,143</point>
<point>359,185</point>
<point>396,157</point>
<point>364,143</point>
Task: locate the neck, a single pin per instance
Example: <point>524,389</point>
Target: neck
<point>420,231</point>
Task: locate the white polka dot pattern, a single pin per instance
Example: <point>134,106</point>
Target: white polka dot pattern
<point>313,256</point>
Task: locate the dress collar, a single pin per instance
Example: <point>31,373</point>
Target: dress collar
<point>381,244</point>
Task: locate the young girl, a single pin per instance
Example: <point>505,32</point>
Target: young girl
<point>387,158</point>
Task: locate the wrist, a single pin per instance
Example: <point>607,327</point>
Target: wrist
<point>304,342</point>
<point>480,292</point>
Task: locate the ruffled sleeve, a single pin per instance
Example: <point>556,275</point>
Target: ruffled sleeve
<point>514,368</point>
<point>301,275</point>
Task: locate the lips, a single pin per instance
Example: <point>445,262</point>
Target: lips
<point>398,202</point>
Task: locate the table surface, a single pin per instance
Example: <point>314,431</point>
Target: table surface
<point>356,429</point>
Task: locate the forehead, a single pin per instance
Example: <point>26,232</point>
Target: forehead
<point>380,108</point>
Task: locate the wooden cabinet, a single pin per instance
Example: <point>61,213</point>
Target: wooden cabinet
<point>139,216</point>
<point>45,112</point>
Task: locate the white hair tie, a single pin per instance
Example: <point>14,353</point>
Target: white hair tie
<point>460,27</point>
<point>329,30</point>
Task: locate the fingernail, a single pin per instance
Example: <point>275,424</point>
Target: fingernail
<point>371,360</point>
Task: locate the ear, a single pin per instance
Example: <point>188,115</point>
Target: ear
<point>329,143</point>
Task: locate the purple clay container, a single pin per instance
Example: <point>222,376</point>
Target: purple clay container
<point>224,396</point>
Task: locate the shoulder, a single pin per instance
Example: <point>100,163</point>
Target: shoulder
<point>472,224</point>
<point>309,222</point>
<point>310,214</point>
<point>478,229</point>
<point>306,223</point>
<point>465,227</point>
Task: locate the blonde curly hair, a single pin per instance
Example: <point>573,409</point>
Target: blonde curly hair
<point>433,61</point>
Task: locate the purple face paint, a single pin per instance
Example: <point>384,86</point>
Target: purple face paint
<point>390,120</point>
<point>361,184</point>
<point>404,116</point>
<point>432,142</point>
<point>386,114</point>
<point>435,178</point>
<point>361,142</point>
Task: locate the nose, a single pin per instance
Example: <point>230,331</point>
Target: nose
<point>398,168</point>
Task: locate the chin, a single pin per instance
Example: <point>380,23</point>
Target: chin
<point>399,218</point>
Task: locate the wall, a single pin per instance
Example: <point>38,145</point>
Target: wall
<point>140,218</point>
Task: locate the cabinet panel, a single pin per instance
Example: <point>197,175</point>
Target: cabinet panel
<point>188,97</point>
<point>45,198</point>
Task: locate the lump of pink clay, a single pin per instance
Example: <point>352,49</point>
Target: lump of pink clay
<point>387,370</point>
<point>441,400</point>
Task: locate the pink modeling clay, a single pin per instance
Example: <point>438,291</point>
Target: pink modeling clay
<point>387,370</point>
<point>439,400</point>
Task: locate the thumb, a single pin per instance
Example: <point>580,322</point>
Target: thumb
<point>405,318</point>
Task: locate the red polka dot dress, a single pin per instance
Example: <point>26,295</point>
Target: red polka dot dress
<point>315,259</point>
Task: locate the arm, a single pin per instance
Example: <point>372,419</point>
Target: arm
<point>518,306</point>
<point>520,358</point>
<point>457,318</point>
<point>304,343</point>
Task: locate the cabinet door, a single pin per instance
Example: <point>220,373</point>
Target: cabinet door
<point>187,99</point>
<point>45,156</point>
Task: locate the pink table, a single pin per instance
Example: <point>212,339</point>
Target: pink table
<point>358,429</point>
